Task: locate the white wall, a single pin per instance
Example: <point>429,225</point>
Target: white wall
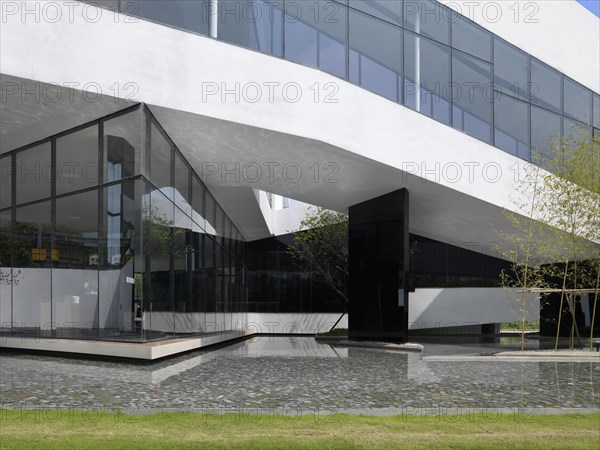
<point>294,323</point>
<point>193,322</point>
<point>451,307</point>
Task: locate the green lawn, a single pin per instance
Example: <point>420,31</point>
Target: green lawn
<point>86,430</point>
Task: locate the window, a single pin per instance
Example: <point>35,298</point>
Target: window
<point>390,11</point>
<point>596,110</point>
<point>428,18</point>
<point>33,255</point>
<point>77,160</point>
<point>545,127</point>
<point>546,86</point>
<point>211,226</point>
<point>577,101</point>
<point>120,255</point>
<point>471,38</point>
<point>511,70</point>
<point>511,121</point>
<point>198,202</point>
<point>160,162</point>
<point>315,35</point>
<point>255,24</point>
<point>161,223</point>
<point>5,182</point>
<point>6,244</point>
<point>182,185</point>
<point>191,15</point>
<point>427,77</point>
<point>75,291</point>
<point>575,129</point>
<point>34,173</point>
<point>472,111</point>
<point>220,224</point>
<point>376,67</point>
<point>122,146</point>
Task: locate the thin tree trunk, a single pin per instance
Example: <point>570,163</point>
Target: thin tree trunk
<point>562,297</point>
<point>595,305</point>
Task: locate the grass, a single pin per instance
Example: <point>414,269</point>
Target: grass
<point>518,326</point>
<point>70,429</point>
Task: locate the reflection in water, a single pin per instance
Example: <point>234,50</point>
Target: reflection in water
<point>292,372</point>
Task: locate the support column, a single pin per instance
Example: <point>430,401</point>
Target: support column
<point>378,244</point>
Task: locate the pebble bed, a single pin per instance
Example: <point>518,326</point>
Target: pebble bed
<point>297,376</point>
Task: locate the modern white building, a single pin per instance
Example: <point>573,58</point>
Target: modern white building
<point>155,156</point>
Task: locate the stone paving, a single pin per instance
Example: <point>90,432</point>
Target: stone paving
<point>298,375</point>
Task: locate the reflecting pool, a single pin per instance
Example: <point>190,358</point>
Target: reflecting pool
<point>297,375</point>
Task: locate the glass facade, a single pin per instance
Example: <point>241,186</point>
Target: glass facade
<point>276,283</point>
<point>418,53</point>
<point>96,246</point>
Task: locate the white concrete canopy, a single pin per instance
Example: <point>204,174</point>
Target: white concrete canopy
<point>204,93</point>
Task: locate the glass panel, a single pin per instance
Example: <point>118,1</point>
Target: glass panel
<point>315,35</point>
<point>577,101</point>
<point>34,173</point>
<point>390,11</point>
<point>211,226</point>
<point>6,282</point>
<point>160,251</point>
<point>77,160</point>
<point>192,15</point>
<point>219,286</point>
<point>576,130</point>
<point>160,162</point>
<point>511,121</point>
<point>511,70</point>
<point>182,239</point>
<point>427,77</point>
<point>198,280</point>
<point>75,271</point>
<point>429,18</point>
<point>545,126</point>
<point>597,110</point>
<point>120,308</point>
<point>122,146</point>
<point>32,259</point>
<point>182,185</point>
<point>545,86</point>
<point>472,110</point>
<point>5,182</point>
<point>471,38</point>
<point>209,283</point>
<point>198,202</point>
<point>220,221</point>
<point>376,67</point>
<point>255,24</point>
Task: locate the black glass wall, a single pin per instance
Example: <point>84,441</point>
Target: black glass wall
<point>418,53</point>
<point>277,283</point>
<point>96,245</point>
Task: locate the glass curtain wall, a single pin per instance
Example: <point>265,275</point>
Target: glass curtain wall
<point>418,53</point>
<point>106,232</point>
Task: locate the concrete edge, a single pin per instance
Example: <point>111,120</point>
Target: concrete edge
<point>408,347</point>
<point>145,351</point>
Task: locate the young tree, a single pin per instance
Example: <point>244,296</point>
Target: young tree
<point>321,244</point>
<point>573,203</point>
<point>556,236</point>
